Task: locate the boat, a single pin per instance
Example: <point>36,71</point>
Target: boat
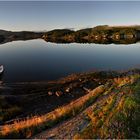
<point>1,69</point>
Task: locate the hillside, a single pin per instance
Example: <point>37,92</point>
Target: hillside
<point>102,34</point>
<point>7,36</point>
<point>108,107</point>
<point>110,112</point>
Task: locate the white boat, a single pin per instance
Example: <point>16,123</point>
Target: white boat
<point>1,69</point>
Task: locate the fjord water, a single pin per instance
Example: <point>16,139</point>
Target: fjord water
<point>37,60</point>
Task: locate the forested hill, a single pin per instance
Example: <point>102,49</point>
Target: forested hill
<point>102,34</point>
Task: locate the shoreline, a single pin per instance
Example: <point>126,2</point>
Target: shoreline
<point>43,97</point>
<point>37,101</point>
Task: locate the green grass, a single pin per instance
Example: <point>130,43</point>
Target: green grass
<point>120,122</point>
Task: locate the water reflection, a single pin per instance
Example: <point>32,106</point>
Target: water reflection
<point>37,60</point>
<point>98,41</point>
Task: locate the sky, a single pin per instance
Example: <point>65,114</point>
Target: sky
<point>48,15</point>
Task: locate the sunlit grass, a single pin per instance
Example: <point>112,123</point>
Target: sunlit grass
<point>30,126</point>
<point>119,116</point>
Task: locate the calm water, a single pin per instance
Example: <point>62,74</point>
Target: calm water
<point>37,60</point>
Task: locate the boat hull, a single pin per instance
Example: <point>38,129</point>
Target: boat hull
<point>1,69</point>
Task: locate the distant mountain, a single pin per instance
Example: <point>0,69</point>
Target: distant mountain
<point>6,36</point>
<point>4,32</point>
<point>102,34</point>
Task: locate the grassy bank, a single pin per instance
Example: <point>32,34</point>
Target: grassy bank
<point>26,128</point>
<point>109,109</point>
<point>118,117</point>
